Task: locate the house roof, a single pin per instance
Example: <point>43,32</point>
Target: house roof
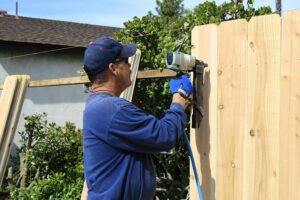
<point>53,32</point>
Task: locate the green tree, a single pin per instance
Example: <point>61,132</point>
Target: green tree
<point>169,8</point>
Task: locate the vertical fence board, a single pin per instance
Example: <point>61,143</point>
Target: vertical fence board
<point>261,151</point>
<point>203,139</point>
<point>232,63</point>
<point>290,108</point>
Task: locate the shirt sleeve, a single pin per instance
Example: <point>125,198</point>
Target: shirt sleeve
<point>133,130</point>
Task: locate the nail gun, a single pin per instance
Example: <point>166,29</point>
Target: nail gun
<point>184,64</point>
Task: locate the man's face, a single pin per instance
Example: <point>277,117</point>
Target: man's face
<point>123,67</point>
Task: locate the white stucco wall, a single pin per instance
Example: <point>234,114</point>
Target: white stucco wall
<point>61,103</point>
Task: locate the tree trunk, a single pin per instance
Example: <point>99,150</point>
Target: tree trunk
<point>23,170</point>
<point>10,178</point>
<point>278,7</point>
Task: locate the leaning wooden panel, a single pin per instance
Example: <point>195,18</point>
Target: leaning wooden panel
<point>232,65</point>
<point>261,152</point>
<point>289,176</point>
<point>12,121</point>
<point>6,99</point>
<point>203,139</point>
<point>134,61</point>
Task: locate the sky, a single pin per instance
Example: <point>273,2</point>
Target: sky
<point>106,12</point>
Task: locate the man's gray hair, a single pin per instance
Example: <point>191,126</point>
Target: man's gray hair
<point>95,78</point>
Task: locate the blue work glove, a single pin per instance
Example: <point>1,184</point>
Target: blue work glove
<point>183,86</point>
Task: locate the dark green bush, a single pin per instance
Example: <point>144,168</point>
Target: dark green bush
<point>49,163</point>
<point>58,186</point>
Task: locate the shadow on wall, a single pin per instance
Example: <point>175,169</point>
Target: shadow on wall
<point>13,151</point>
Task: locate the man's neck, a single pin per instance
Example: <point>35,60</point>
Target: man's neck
<point>105,88</point>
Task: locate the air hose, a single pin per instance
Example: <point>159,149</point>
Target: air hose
<point>194,166</point>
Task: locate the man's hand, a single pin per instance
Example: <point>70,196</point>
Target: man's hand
<point>183,86</point>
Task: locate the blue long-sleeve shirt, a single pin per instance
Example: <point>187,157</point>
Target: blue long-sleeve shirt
<point>118,141</point>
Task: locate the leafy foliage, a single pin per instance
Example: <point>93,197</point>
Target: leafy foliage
<point>50,148</point>
<point>172,173</point>
<point>58,186</point>
<point>169,8</point>
<point>48,164</point>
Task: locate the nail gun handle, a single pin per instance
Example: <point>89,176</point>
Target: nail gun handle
<point>197,102</point>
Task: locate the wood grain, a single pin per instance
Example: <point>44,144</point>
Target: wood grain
<point>261,152</point>
<point>289,176</point>
<point>232,66</point>
<point>203,139</point>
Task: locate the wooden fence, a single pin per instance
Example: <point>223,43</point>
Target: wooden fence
<point>248,145</point>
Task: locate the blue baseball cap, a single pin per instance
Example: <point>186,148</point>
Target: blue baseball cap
<point>103,51</point>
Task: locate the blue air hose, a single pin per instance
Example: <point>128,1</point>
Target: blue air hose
<point>194,166</point>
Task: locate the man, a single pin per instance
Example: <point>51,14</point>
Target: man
<point>118,137</point>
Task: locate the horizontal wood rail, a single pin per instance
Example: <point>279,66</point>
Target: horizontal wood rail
<point>83,79</point>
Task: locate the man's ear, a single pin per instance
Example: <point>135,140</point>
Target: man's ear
<point>113,68</point>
